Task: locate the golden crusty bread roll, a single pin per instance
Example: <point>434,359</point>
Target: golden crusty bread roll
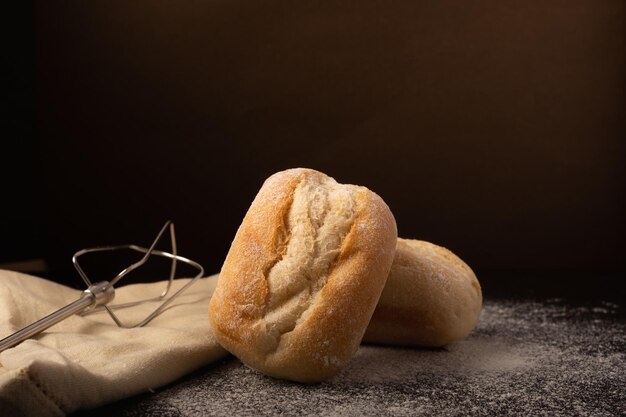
<point>303,275</point>
<point>431,298</point>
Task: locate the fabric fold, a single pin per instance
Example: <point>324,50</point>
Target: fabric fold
<point>87,361</point>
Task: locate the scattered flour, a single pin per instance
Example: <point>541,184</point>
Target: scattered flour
<point>524,358</point>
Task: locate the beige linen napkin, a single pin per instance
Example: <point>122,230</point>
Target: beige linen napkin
<point>84,362</point>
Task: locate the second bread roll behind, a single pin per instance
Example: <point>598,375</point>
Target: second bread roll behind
<point>431,298</point>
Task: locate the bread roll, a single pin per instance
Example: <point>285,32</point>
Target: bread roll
<point>431,298</point>
<point>303,275</point>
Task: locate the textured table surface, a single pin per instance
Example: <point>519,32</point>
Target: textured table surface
<point>524,358</point>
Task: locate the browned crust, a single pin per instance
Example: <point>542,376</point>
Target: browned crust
<point>329,333</point>
<point>397,326</point>
<point>258,245</point>
<point>430,318</point>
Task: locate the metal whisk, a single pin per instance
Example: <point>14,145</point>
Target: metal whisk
<point>99,294</point>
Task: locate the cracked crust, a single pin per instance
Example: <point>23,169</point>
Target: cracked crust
<point>303,275</point>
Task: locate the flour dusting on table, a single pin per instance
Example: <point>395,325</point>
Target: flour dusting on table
<point>524,358</point>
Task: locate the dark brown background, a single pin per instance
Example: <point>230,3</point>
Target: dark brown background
<point>494,128</point>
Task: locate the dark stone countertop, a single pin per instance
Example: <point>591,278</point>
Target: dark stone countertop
<point>542,356</point>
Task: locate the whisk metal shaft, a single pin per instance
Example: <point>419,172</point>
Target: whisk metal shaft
<point>97,294</point>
